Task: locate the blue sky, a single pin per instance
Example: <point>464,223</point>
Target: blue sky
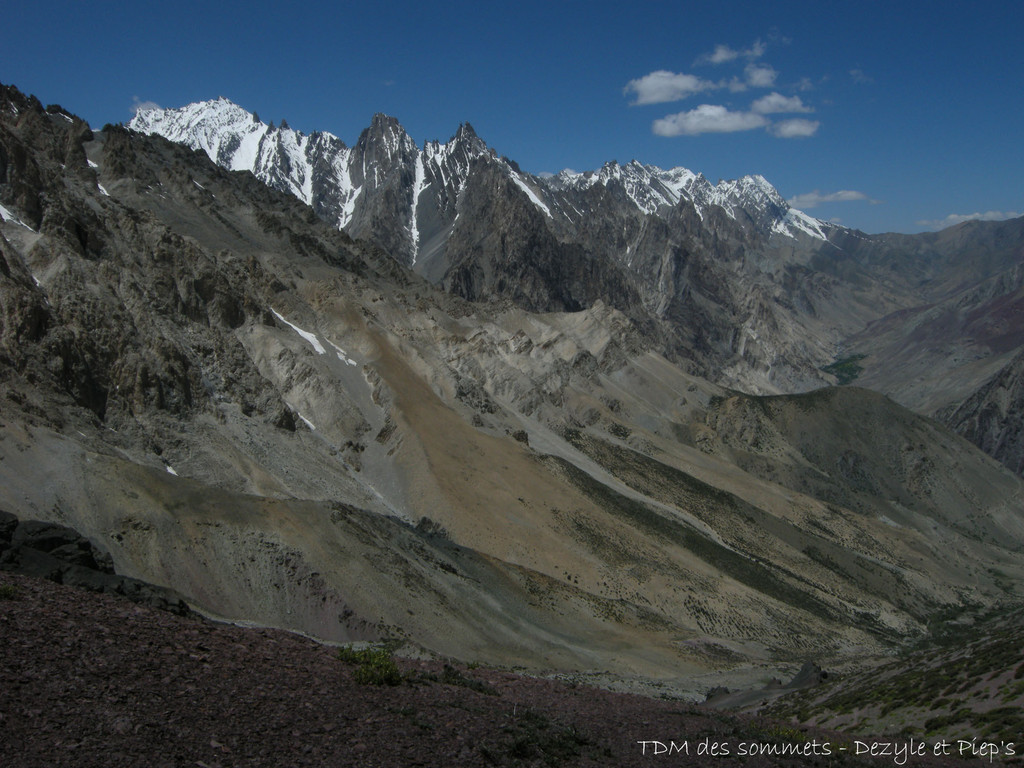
<point>884,116</point>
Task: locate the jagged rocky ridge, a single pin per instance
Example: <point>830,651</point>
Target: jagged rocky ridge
<point>725,279</point>
<point>344,185</point>
<point>235,398</point>
<point>654,244</point>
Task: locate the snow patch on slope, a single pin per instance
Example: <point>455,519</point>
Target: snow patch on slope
<point>798,221</point>
<point>310,337</point>
<point>517,178</point>
<point>6,215</point>
<point>417,189</point>
<point>342,354</point>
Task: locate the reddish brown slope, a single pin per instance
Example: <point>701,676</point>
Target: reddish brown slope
<point>93,680</point>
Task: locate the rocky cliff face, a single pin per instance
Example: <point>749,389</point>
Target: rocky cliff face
<point>993,417</point>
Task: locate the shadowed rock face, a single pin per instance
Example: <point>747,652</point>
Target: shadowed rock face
<point>993,417</point>
<point>237,400</point>
<point>61,554</point>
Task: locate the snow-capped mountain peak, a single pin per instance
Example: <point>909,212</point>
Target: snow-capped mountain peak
<point>238,140</point>
<point>386,180</point>
<point>228,133</point>
<point>655,191</point>
<point>386,140</point>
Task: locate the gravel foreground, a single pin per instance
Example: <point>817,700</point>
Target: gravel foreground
<point>95,680</point>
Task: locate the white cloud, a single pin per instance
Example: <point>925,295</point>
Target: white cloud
<point>661,86</point>
<point>859,76</point>
<point>707,118</point>
<point>755,51</point>
<point>723,54</point>
<point>797,128</point>
<point>754,76</point>
<point>760,75</point>
<point>813,199</point>
<point>142,106</point>
<point>960,218</point>
<point>775,103</point>
<point>715,118</point>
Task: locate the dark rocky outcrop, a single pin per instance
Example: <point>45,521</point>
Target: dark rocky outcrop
<point>62,554</point>
<point>501,247</point>
<point>810,675</point>
<point>993,417</point>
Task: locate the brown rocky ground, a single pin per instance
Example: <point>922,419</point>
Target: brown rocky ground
<point>96,680</point>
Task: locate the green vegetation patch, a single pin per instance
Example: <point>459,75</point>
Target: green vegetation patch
<point>374,665</point>
<point>8,592</point>
<point>845,369</point>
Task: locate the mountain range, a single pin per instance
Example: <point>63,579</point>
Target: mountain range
<point>569,424</point>
<point>727,279</point>
<point>345,186</point>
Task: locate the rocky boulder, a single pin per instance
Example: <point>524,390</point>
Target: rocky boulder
<point>61,554</point>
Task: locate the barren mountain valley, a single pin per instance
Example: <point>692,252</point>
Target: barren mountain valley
<point>661,450</point>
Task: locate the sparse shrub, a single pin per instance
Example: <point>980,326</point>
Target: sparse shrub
<point>374,666</point>
<point>8,592</point>
<point>619,431</point>
<point>452,676</point>
<point>535,738</point>
<point>782,733</point>
<point>999,722</point>
<point>431,528</point>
